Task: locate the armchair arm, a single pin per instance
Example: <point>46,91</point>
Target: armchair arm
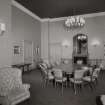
<point>100,100</point>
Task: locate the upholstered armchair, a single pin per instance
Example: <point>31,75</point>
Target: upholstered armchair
<point>100,100</point>
<point>12,90</point>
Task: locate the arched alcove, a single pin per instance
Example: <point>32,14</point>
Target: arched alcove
<point>80,49</point>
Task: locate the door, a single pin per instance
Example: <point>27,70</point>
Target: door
<point>28,51</point>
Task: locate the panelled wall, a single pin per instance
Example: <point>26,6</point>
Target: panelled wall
<point>5,39</point>
<point>48,37</point>
<point>55,34</point>
<point>20,27</point>
<point>26,31</point>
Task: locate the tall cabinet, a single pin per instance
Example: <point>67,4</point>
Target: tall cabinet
<point>80,49</point>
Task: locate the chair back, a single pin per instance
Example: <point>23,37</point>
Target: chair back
<point>47,64</point>
<point>42,66</point>
<point>58,73</point>
<point>85,68</point>
<point>78,74</point>
<point>96,72</point>
<point>43,71</point>
<point>46,73</point>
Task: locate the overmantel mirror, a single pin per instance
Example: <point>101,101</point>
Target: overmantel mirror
<point>80,49</point>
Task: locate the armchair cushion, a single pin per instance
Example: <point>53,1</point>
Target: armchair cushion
<point>12,90</point>
<point>6,82</point>
<point>17,95</point>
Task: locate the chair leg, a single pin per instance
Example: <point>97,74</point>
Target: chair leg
<point>96,81</point>
<point>44,83</point>
<point>55,84</point>
<point>66,83</point>
<point>77,88</point>
<point>75,91</point>
<point>91,85</point>
<point>80,87</point>
<point>62,87</point>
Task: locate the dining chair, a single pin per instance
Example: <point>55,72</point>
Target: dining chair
<point>46,74</point>
<point>102,67</point>
<point>59,78</point>
<point>92,79</point>
<point>77,79</point>
<point>96,74</point>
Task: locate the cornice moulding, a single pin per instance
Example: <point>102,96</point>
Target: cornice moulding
<point>22,8</point>
<point>85,16</point>
<point>25,10</point>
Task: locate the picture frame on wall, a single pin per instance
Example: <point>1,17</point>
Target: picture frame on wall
<point>17,50</point>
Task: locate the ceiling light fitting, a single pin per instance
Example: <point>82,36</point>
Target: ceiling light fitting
<point>74,22</point>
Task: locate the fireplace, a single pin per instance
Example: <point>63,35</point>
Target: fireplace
<point>80,60</point>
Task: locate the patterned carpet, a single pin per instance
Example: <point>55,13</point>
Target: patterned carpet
<point>50,95</point>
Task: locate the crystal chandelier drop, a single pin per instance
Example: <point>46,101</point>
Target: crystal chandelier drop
<point>74,22</point>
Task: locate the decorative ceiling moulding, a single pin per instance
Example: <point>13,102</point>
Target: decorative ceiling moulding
<point>22,8</point>
<point>85,16</point>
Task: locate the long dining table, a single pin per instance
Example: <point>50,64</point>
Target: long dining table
<point>69,69</point>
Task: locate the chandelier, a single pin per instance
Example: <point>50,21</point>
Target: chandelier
<point>74,22</point>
